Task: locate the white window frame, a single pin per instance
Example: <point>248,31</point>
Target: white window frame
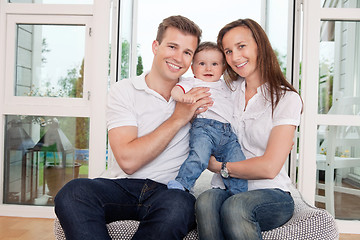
<point>40,105</point>
<point>313,14</point>
<point>96,17</point>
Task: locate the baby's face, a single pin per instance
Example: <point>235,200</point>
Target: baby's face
<point>208,65</point>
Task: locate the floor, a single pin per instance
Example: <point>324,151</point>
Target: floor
<point>12,228</point>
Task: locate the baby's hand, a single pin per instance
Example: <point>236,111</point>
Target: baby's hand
<point>188,98</point>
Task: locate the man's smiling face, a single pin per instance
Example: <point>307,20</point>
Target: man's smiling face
<point>173,56</point>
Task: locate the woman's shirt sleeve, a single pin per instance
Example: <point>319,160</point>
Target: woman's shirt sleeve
<point>288,110</point>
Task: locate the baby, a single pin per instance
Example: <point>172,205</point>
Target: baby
<point>211,132</point>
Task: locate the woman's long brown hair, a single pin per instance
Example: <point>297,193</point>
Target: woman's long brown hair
<point>267,61</point>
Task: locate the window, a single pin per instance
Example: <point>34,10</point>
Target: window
<point>54,71</point>
<point>49,60</point>
<point>53,1</point>
<point>329,132</point>
<point>42,153</point>
<point>340,4</point>
<point>204,13</point>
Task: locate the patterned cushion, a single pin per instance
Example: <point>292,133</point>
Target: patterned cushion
<point>308,223</point>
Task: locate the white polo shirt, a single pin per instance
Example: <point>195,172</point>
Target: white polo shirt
<point>132,103</point>
<point>222,109</point>
<point>253,127</point>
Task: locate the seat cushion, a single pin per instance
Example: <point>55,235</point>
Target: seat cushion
<point>308,222</point>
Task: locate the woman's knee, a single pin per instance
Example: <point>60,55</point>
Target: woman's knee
<point>204,202</point>
<point>209,203</point>
<point>238,208</point>
<point>238,220</point>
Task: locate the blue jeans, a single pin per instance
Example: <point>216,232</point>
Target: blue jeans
<point>210,137</point>
<point>221,215</point>
<point>85,206</point>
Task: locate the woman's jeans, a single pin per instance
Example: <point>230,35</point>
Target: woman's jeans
<point>210,137</point>
<point>243,216</point>
<point>85,206</point>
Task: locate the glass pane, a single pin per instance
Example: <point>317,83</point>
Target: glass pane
<point>339,75</point>
<point>277,16</point>
<point>210,18</point>
<point>338,171</point>
<point>126,36</point>
<point>50,60</point>
<point>41,155</point>
<point>340,3</point>
<point>53,1</point>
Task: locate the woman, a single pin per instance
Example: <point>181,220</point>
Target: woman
<point>267,112</point>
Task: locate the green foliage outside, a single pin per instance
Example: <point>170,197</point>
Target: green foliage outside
<point>139,66</point>
<point>125,61</point>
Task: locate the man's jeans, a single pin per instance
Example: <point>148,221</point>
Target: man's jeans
<point>84,206</point>
<point>210,137</point>
<point>221,215</point>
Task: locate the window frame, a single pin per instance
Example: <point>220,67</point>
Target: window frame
<point>95,16</point>
<point>32,105</point>
<point>313,15</point>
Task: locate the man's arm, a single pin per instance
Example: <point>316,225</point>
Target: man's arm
<point>133,152</point>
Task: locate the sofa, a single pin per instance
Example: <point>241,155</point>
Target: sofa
<point>307,223</point>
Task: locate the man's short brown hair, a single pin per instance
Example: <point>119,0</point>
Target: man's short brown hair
<point>181,23</point>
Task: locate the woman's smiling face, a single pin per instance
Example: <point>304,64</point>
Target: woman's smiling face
<point>241,51</point>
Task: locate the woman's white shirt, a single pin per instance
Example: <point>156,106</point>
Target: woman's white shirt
<point>254,123</point>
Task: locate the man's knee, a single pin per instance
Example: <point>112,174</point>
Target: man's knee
<point>69,192</point>
<point>181,200</point>
<point>180,206</point>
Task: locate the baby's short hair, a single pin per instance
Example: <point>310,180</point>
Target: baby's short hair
<point>209,46</point>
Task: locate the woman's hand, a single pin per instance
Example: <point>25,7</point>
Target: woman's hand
<point>214,166</point>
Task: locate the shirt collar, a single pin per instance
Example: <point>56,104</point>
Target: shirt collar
<point>261,89</point>
<point>140,84</point>
<point>257,105</point>
<point>139,81</point>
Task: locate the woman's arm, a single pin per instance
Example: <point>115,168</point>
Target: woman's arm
<point>266,166</point>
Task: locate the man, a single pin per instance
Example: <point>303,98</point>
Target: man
<point>148,134</point>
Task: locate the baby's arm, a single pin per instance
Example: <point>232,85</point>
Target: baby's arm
<point>179,95</point>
